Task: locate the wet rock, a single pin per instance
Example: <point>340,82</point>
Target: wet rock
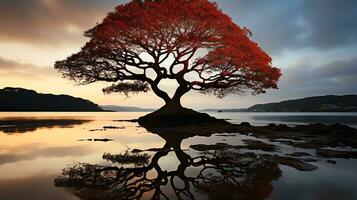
<point>137,151</point>
<point>295,163</point>
<point>127,120</point>
<point>151,149</point>
<point>96,140</point>
<point>102,140</point>
<point>107,127</point>
<point>258,145</point>
<point>299,154</point>
<point>246,124</point>
<point>329,153</point>
<point>113,127</point>
<point>278,127</point>
<point>251,145</point>
<point>313,136</point>
<point>331,162</point>
<point>205,147</point>
<point>82,140</point>
<point>98,129</point>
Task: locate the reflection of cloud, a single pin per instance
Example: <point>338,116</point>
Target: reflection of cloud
<point>29,152</point>
<point>27,71</point>
<point>38,187</point>
<point>50,22</point>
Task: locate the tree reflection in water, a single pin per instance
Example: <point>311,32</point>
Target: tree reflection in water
<point>219,174</point>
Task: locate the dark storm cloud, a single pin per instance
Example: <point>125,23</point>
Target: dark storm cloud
<point>277,24</point>
<point>338,77</point>
<point>10,68</point>
<point>330,22</point>
<point>50,22</point>
<point>295,24</point>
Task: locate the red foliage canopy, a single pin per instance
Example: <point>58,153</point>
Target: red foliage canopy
<point>205,50</point>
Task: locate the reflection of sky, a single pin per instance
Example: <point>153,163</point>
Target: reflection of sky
<point>29,162</point>
<point>331,184</point>
<point>312,41</point>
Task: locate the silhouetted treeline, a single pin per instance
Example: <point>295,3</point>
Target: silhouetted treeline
<point>19,99</point>
<point>330,103</point>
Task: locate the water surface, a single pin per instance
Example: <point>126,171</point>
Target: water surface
<point>36,147</point>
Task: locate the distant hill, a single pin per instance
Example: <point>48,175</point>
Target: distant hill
<point>330,103</point>
<point>226,110</point>
<point>126,108</point>
<point>19,99</point>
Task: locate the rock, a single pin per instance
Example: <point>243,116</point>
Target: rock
<point>258,145</point>
<point>151,149</point>
<point>103,140</point>
<point>127,120</point>
<point>299,154</point>
<point>137,151</point>
<point>92,130</point>
<point>205,147</point>
<point>164,117</point>
<point>329,153</point>
<point>245,124</point>
<point>96,140</point>
<point>82,140</point>
<point>113,127</point>
<point>331,162</point>
<point>251,145</point>
<point>295,163</point>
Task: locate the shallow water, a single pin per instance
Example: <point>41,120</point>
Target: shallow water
<point>36,147</point>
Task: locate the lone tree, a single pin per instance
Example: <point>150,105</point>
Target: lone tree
<point>142,43</point>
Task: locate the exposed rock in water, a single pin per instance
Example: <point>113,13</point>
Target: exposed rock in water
<point>251,145</point>
<point>299,154</point>
<point>331,162</point>
<point>113,127</point>
<point>329,153</point>
<point>151,149</point>
<point>299,164</point>
<point>258,145</point>
<point>96,140</point>
<point>312,136</point>
<point>295,163</point>
<point>127,120</point>
<point>217,146</point>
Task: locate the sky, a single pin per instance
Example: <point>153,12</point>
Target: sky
<point>313,42</point>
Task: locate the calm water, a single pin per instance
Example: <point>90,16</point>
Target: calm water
<point>36,147</point>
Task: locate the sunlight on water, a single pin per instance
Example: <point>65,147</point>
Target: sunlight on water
<point>36,147</point>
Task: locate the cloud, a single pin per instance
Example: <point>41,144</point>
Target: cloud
<point>337,77</point>
<point>50,22</point>
<point>278,25</point>
<point>10,68</point>
<point>330,23</point>
<point>295,24</point>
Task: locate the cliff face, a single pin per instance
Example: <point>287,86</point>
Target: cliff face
<point>19,99</point>
<point>331,103</point>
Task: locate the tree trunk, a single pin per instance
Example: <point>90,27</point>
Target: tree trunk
<point>173,114</point>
